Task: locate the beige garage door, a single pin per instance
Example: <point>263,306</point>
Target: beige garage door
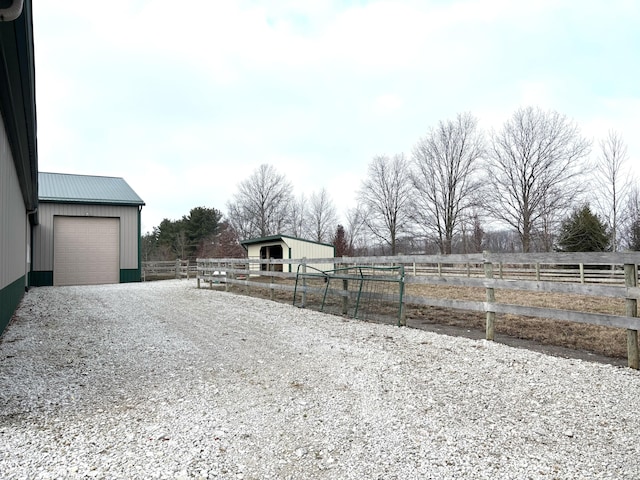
<point>86,250</point>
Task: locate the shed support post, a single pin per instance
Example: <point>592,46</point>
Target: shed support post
<point>491,299</point>
<point>631,307</point>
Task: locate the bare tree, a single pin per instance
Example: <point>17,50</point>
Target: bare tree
<point>322,216</point>
<point>533,166</point>
<point>632,227</point>
<point>298,216</point>
<point>445,166</point>
<point>262,204</point>
<point>385,195</point>
<point>355,225</point>
<point>614,183</point>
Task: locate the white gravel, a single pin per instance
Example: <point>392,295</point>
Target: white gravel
<point>162,380</point>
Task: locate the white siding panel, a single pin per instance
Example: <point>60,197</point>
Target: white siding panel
<point>302,249</point>
<point>299,249</point>
<point>86,250</point>
<point>13,218</point>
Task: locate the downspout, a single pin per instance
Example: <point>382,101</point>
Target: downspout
<point>28,268</point>
<point>139,243</point>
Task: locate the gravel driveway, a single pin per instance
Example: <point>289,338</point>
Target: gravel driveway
<point>162,380</point>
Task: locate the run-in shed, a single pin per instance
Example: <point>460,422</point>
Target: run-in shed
<point>88,231</point>
<point>283,246</point>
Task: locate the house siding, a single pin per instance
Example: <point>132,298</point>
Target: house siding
<point>43,237</point>
<point>13,234</point>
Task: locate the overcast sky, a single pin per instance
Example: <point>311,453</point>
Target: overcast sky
<point>185,99</point>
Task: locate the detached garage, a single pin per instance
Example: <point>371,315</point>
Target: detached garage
<point>89,231</point>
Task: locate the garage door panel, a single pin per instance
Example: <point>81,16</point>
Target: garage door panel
<point>86,250</point>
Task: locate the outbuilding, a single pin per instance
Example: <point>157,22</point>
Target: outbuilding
<point>18,153</point>
<point>88,231</point>
<point>285,247</point>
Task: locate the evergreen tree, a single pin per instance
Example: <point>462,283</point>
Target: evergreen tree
<point>340,242</point>
<point>182,238</point>
<point>201,223</point>
<point>583,231</point>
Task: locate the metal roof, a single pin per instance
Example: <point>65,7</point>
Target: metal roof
<point>284,238</point>
<point>67,188</point>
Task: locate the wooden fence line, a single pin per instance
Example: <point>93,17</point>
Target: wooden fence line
<point>612,275</point>
<point>166,269</point>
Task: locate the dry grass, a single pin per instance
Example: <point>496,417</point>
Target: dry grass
<point>607,341</point>
<point>597,339</point>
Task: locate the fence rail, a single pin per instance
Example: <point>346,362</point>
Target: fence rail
<point>611,275</point>
<point>167,269</point>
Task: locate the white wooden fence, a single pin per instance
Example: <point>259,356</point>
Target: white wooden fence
<point>611,275</point>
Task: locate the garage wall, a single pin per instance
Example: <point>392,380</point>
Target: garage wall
<point>13,234</point>
<point>43,237</point>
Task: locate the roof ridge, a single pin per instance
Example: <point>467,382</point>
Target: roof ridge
<point>80,175</point>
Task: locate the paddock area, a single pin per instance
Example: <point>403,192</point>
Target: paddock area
<point>164,380</point>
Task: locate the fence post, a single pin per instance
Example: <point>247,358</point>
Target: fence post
<point>304,282</point>
<point>177,268</point>
<point>582,273</point>
<point>345,298</point>
<point>272,293</point>
<point>631,307</point>
<point>491,299</point>
<point>537,272</point>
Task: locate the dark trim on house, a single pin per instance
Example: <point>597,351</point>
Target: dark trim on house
<point>10,297</point>
<point>41,278</point>
<point>128,275</point>
<point>18,102</point>
<point>108,203</point>
<point>276,238</point>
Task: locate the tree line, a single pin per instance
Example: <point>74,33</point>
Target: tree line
<point>529,186</point>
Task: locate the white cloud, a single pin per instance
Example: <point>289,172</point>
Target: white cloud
<point>388,103</point>
<point>186,99</point>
